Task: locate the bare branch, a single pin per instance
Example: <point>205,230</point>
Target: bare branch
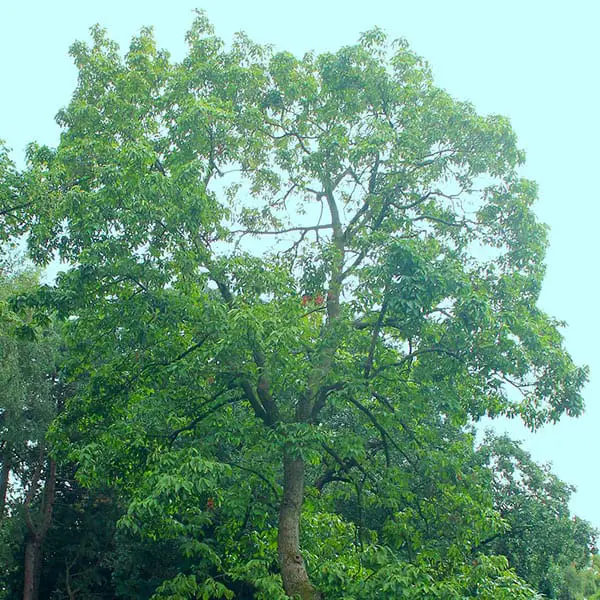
<point>346,465</point>
<point>11,209</point>
<point>281,231</point>
<point>409,357</point>
<point>179,357</point>
<point>35,479</point>
<point>413,204</point>
<point>192,424</point>
<point>384,434</point>
<point>375,336</point>
<point>258,474</point>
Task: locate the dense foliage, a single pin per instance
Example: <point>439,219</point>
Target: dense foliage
<point>294,287</point>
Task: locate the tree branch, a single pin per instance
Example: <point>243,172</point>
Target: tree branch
<point>11,209</point>
<point>282,231</point>
<point>31,491</point>
<point>192,424</point>
<point>271,485</point>
<point>375,336</point>
<point>416,353</point>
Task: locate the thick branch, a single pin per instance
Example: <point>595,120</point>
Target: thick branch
<point>258,408</point>
<point>324,360</point>
<point>322,395</point>
<point>263,387</point>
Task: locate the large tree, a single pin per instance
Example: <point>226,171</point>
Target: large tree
<point>292,282</point>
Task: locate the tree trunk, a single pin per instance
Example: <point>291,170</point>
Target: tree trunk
<point>33,564</point>
<point>293,571</point>
<point>37,533</point>
<point>4,477</point>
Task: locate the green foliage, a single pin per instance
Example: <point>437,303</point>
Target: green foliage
<point>543,542</point>
<point>13,204</point>
<point>323,260</point>
<point>29,347</point>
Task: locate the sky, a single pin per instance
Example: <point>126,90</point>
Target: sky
<point>534,61</point>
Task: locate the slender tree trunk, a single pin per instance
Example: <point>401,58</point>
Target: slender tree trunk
<point>293,571</point>
<point>37,533</point>
<point>4,477</point>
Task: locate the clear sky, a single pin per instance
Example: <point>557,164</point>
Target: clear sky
<point>535,61</point>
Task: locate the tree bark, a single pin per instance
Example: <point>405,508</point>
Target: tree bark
<point>293,570</point>
<point>4,477</point>
<point>33,564</point>
<point>37,534</point>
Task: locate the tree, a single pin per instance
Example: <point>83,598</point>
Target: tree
<point>29,399</point>
<point>289,278</point>
<point>542,540</point>
<point>54,535</point>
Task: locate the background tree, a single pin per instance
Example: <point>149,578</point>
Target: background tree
<point>294,282</point>
<point>55,537</point>
<point>13,206</point>
<point>542,538</point>
<point>28,402</point>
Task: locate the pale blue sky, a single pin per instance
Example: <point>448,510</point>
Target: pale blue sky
<point>535,61</point>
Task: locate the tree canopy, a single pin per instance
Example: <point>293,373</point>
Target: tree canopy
<point>294,286</point>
